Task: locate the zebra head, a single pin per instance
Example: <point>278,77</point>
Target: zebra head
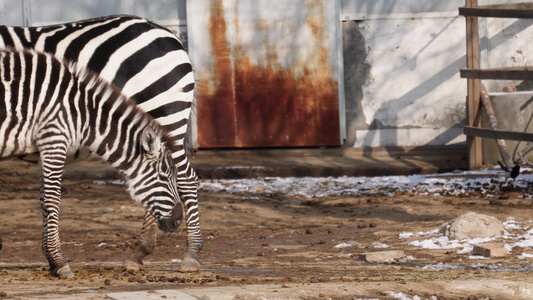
<point>154,182</point>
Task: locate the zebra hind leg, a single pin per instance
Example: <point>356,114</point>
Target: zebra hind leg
<point>50,196</point>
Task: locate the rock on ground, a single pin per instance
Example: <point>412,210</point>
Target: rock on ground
<point>472,225</point>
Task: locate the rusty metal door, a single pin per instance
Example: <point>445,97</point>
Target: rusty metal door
<point>266,71</point>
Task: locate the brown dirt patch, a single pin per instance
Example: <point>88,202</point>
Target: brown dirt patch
<point>267,243</point>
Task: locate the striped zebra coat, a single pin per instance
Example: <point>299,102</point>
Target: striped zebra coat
<point>55,110</point>
<point>149,64</point>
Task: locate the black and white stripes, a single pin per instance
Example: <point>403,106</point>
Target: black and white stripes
<point>54,109</point>
<point>148,64</point>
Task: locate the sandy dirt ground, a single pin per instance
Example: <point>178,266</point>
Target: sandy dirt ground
<point>260,246</point>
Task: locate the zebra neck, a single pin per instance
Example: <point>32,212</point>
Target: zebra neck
<point>114,126</point>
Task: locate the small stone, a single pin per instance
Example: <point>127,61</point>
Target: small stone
<point>490,250</point>
<point>292,202</point>
<point>381,256</point>
<point>107,281</point>
<point>131,266</point>
<point>105,210</point>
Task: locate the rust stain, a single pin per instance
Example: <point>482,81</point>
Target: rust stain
<point>216,106</point>
<point>267,104</point>
<point>294,112</point>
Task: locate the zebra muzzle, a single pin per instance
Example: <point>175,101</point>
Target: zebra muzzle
<point>171,223</point>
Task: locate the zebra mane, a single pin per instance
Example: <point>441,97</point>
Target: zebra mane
<point>92,80</point>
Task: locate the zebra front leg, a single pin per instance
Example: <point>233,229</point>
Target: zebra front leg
<point>148,238</point>
<point>188,190</point>
<point>145,245</point>
<point>52,159</point>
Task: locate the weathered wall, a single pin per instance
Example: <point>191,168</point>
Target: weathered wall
<point>401,57</point>
<point>267,77</point>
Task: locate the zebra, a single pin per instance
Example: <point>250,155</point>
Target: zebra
<point>57,109</point>
<point>149,64</point>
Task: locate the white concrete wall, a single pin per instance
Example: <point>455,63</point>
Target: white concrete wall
<point>413,95</point>
<point>506,43</point>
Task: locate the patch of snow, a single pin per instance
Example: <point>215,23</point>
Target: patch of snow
<point>525,256</point>
<point>405,235</point>
<point>442,266</point>
<point>477,257</point>
<point>500,268</point>
<point>439,241</point>
<point>117,182</point>
<point>483,181</point>
<point>241,167</point>
<point>342,245</point>
<point>380,245</point>
<point>402,296</point>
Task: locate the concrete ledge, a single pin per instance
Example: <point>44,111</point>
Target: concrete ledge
<point>234,164</point>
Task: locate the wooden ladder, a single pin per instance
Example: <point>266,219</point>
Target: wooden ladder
<point>477,94</point>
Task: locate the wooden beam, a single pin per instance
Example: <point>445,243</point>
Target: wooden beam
<point>498,134</point>
<point>512,10</point>
<point>509,73</point>
<point>475,153</point>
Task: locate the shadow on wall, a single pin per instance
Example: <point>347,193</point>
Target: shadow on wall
<point>356,72</point>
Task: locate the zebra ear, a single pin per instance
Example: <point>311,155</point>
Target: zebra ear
<point>150,142</point>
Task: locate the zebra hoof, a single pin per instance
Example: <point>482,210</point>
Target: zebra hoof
<point>189,265</point>
<point>64,272</point>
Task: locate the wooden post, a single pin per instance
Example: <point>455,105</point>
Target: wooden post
<point>502,146</point>
<point>475,155</point>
